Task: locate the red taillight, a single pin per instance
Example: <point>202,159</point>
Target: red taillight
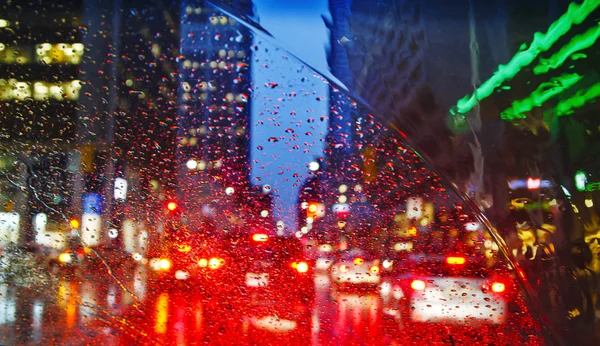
<point>456,260</point>
<point>260,237</point>
<point>215,263</point>
<point>301,267</point>
<point>203,262</point>
<point>417,285</point>
<point>498,287</point>
<point>171,206</point>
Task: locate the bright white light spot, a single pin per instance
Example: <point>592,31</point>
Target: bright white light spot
<point>280,226</point>
<point>266,189</point>
<point>472,226</point>
<point>229,191</point>
<point>343,188</point>
<point>342,199</point>
<point>4,23</point>
<point>567,193</point>
<point>309,220</point>
<point>264,213</point>
<point>137,257</point>
<point>192,164</point>
<point>304,230</point>
<point>387,264</point>
<point>113,233</point>
<point>358,188</point>
<point>298,234</point>
<point>201,165</point>
<point>589,203</point>
<point>304,205</point>
<point>313,166</point>
<point>120,192</point>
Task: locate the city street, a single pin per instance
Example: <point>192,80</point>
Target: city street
<point>120,309</point>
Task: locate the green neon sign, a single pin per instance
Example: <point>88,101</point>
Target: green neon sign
<point>541,43</point>
<point>581,97</point>
<point>577,43</point>
<point>542,94</point>
<point>591,187</point>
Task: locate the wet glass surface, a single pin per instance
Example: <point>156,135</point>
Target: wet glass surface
<point>322,172</point>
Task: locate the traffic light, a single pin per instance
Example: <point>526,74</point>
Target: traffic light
<point>580,180</point>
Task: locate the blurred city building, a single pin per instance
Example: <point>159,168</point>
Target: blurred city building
<point>41,53</point>
<point>214,96</point>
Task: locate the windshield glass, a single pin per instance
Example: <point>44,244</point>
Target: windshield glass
<point>325,172</point>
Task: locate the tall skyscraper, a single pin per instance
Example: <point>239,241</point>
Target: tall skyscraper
<point>214,100</point>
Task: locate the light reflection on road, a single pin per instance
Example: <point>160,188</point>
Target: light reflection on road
<point>98,310</point>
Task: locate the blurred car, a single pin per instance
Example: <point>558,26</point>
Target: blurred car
<point>266,269</point>
<point>451,289</point>
<point>188,252</point>
<point>324,254</point>
<point>355,268</point>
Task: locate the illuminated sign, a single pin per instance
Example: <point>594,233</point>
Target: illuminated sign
<point>529,184</point>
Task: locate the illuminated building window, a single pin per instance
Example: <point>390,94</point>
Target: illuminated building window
<point>14,90</point>
<point>18,90</point>
<point>14,55</point>
<point>156,51</point>
<point>60,53</point>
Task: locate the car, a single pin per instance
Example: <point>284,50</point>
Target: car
<point>266,268</point>
<point>188,252</point>
<point>355,268</point>
<point>452,288</point>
